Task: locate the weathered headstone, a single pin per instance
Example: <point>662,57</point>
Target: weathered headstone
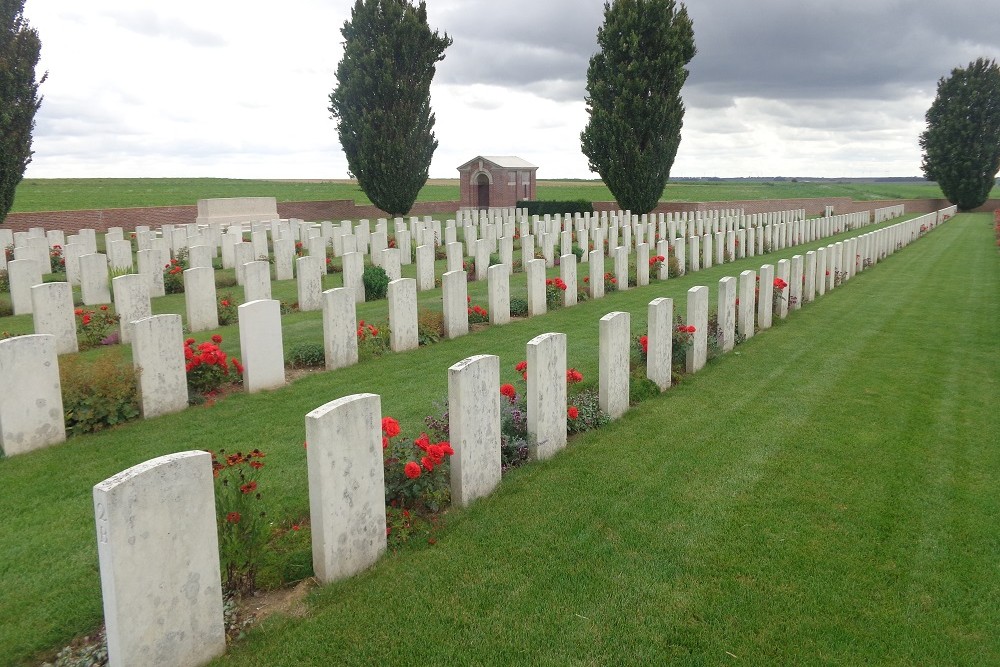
<point>498,294</point>
<point>131,302</point>
<point>31,407</point>
<point>346,486</point>
<point>52,313</point>
<point>23,274</point>
<point>309,282</point>
<point>94,288</point>
<point>454,296</point>
<point>158,355</point>
<point>340,324</point>
<point>474,425</point>
<point>596,276</point>
<point>158,551</point>
<point>747,302</point>
<point>200,299</point>
<point>765,299</point>
<point>659,342</point>
<point>535,272</point>
<point>727,313</point>
<point>261,345</point>
<point>403,332</point>
<point>546,393</point>
<point>425,267</point>
<point>697,316</point>
<point>257,281</point>
<point>613,383</point>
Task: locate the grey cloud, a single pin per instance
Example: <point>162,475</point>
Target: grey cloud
<point>150,24</point>
<point>853,49</point>
<point>540,47</point>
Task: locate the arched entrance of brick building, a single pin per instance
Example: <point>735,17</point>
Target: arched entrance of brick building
<point>482,191</point>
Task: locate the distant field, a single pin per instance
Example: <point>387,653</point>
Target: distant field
<point>64,194</point>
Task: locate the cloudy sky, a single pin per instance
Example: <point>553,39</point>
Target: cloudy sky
<point>240,89</point>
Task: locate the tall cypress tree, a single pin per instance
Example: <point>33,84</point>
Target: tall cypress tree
<point>962,141</point>
<point>382,99</point>
<point>633,98</point>
<point>19,52</point>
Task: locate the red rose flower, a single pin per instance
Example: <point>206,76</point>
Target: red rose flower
<point>216,339</point>
<point>572,412</point>
<point>249,487</point>
<point>189,341</point>
<point>390,427</point>
<point>233,517</point>
<point>521,366</point>
<point>104,307</point>
<point>411,470</point>
<point>446,448</point>
<point>509,391</point>
<point>427,463</point>
<point>573,376</point>
<point>644,344</point>
<point>423,442</point>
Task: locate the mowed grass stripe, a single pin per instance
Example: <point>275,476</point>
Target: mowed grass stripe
<point>822,497</point>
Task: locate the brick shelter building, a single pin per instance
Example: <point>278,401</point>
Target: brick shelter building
<point>496,181</point>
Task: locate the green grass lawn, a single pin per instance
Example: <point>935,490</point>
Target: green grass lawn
<point>57,194</point>
<point>824,494</point>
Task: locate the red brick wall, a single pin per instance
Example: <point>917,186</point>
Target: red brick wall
<point>129,218</point>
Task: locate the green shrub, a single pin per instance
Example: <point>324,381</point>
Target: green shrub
<point>306,355</point>
<point>376,283</point>
<point>536,207</point>
<point>641,388</point>
<point>225,280</point>
<point>518,307</point>
<point>430,326</point>
<point>98,394</point>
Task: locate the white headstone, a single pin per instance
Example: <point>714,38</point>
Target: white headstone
<point>697,316</point>
<point>474,426</point>
<point>454,296</point>
<point>535,272</point>
<point>727,313</point>
<point>613,383</point>
<point>52,312</point>
<point>340,325</point>
<point>131,302</point>
<point>309,282</point>
<point>31,407</point>
<point>403,333</point>
<point>546,395</point>
<point>158,551</point>
<point>346,486</point>
<point>261,345</point>
<point>659,342</point>
<point>23,274</point>
<point>158,355</point>
<point>498,294</point>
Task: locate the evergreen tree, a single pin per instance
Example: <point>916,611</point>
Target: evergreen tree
<point>633,98</point>
<point>19,52</point>
<point>961,144</point>
<point>382,99</point>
